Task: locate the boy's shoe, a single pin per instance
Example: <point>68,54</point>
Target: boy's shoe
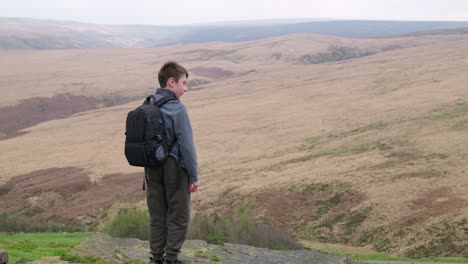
<point>173,261</point>
<point>156,261</point>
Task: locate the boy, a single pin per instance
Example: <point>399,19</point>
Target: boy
<point>169,186</point>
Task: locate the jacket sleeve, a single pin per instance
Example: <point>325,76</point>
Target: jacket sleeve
<point>184,135</point>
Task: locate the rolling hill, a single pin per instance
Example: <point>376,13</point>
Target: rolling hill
<point>365,148</point>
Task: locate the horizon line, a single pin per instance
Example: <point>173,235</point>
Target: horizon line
<point>213,23</point>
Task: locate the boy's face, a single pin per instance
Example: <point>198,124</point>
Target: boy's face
<point>179,88</point>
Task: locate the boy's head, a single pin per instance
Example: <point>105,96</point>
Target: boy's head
<point>173,76</point>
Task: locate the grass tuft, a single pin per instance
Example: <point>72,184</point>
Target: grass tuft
<point>129,223</point>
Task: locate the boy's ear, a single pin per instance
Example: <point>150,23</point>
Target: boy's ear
<point>170,82</point>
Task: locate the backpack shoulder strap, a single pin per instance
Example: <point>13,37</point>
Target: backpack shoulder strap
<point>159,103</point>
<point>152,100</point>
<point>164,100</point>
<point>148,100</point>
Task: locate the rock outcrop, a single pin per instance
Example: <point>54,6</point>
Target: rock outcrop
<point>200,252</point>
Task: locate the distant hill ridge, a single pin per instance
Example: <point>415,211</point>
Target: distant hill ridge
<point>438,32</point>
<point>24,33</point>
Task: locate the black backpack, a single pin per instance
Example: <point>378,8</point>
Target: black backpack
<point>145,142</point>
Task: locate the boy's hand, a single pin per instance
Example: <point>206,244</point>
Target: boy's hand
<point>193,187</point>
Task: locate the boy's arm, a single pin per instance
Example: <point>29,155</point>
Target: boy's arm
<point>184,134</point>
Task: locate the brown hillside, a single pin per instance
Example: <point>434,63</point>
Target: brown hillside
<point>366,151</point>
<point>68,195</point>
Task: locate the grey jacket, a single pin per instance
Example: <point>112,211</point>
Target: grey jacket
<point>177,124</point>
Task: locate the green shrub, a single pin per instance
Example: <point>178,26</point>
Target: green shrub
<point>213,229</point>
<point>129,223</point>
<point>20,223</point>
<point>335,53</point>
<point>3,191</point>
<point>242,230</point>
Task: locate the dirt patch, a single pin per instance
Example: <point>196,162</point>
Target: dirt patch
<point>435,202</point>
<point>297,206</point>
<point>279,207</point>
<point>195,84</point>
<point>30,112</point>
<point>214,73</point>
<point>400,158</point>
<point>439,156</point>
<point>67,194</point>
<point>347,201</point>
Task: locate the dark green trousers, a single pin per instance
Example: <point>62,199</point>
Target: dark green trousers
<point>168,201</point>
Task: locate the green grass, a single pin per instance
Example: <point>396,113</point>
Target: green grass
<point>342,250</point>
<point>354,149</point>
<point>361,145</point>
<point>463,125</point>
<point>307,188</point>
<point>326,138</point>
<point>459,110</point>
<point>25,247</point>
<point>85,259</point>
<point>203,253</point>
<point>348,150</point>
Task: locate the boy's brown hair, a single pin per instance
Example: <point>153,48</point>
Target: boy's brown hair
<point>171,69</point>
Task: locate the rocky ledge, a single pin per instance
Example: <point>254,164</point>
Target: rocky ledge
<point>200,252</point>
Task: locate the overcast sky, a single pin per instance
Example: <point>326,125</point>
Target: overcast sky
<point>158,12</point>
